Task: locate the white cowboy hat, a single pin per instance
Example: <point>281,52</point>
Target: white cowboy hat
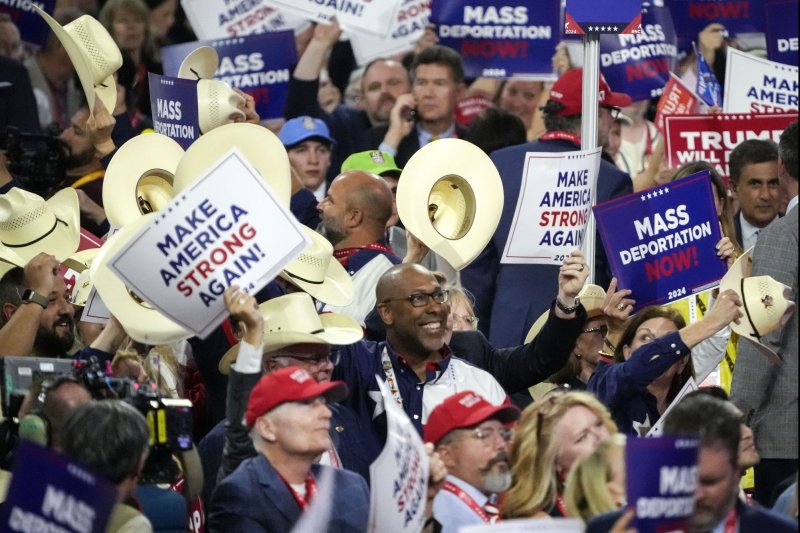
<point>81,262</point>
<point>94,54</point>
<point>141,322</point>
<point>765,303</point>
<point>259,145</point>
<point>591,297</point>
<point>200,64</point>
<point>29,225</point>
<point>319,273</point>
<point>450,197</point>
<point>293,319</point>
<point>217,104</point>
<point>139,177</point>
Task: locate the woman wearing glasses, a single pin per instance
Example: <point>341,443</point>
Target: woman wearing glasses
<point>551,436</point>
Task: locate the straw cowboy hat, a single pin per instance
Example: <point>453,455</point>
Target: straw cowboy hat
<point>94,54</point>
<point>81,263</point>
<point>591,297</point>
<point>139,177</point>
<point>450,197</point>
<point>217,103</point>
<point>259,145</point>
<point>320,274</point>
<point>30,225</point>
<point>141,322</point>
<point>293,319</point>
<point>765,303</point>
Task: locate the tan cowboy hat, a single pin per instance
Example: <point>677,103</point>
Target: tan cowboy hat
<point>94,54</point>
<point>450,197</point>
<point>217,104</point>
<point>765,303</point>
<point>200,64</point>
<point>81,262</point>
<point>320,274</point>
<point>293,319</point>
<point>141,322</point>
<point>259,145</point>
<point>591,297</point>
<point>139,177</point>
<point>29,225</point>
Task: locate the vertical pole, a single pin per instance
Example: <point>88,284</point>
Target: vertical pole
<point>591,84</point>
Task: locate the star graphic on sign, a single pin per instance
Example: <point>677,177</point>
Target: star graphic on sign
<point>641,428</point>
<point>643,197</point>
<point>649,196</point>
<point>616,28</point>
<point>666,190</point>
<point>767,301</point>
<point>375,396</point>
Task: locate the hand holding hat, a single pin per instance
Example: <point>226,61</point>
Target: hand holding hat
<point>41,272</point>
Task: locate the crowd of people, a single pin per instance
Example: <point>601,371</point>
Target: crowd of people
<point>525,381</point>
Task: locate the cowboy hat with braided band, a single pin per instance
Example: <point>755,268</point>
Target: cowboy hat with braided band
<point>94,54</point>
<point>29,225</point>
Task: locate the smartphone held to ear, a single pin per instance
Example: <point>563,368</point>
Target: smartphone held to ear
<point>408,114</point>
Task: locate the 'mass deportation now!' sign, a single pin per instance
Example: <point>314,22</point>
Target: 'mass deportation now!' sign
<point>173,105</point>
<point>227,228</point>
<point>661,243</point>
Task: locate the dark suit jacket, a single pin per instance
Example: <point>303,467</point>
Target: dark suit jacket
<point>511,297</point>
<point>17,102</point>
<point>752,519</point>
<point>255,499</point>
<point>408,145</point>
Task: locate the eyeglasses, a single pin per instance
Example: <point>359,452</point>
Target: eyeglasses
<point>420,299</point>
<point>602,330</point>
<point>615,111</point>
<point>332,357</point>
<point>468,320</point>
<point>487,435</point>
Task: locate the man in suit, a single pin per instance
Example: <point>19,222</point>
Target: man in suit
<point>768,394</point>
<point>717,506</point>
<point>753,169</point>
<point>428,113</point>
<point>510,297</point>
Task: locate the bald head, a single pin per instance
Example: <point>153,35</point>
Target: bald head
<point>395,278</point>
<point>370,193</point>
<point>60,404</point>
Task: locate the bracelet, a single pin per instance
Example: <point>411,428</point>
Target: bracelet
<point>609,344</point>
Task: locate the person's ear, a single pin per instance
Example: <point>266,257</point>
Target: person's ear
<point>8,310</point>
<point>266,428</point>
<point>385,312</point>
<point>626,351</point>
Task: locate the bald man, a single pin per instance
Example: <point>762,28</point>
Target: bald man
<point>354,215</point>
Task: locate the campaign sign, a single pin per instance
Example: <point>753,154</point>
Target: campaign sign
<point>553,208</point>
<point>711,138</point>
<point>676,99</point>
<point>602,16</point>
<point>782,28</point>
<point>639,64</point>
<point>58,496</point>
<point>353,15</point>
<point>658,428</point>
<point>226,228</point>
<point>529,525</point>
<point>412,18</point>
<point>173,106</point>
<point>661,480</point>
<point>397,503</point>
<point>692,16</point>
<point>502,38</point>
<point>755,85</point>
<point>32,27</point>
<point>218,19</point>
<point>661,243</point>
<point>257,64</point>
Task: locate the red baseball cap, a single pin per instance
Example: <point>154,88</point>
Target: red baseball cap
<point>290,384</point>
<point>464,410</point>
<point>568,91</point>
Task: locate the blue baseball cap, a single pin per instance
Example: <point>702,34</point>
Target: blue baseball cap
<point>299,129</point>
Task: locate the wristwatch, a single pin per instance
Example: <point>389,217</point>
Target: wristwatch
<point>31,296</point>
<point>568,310</point>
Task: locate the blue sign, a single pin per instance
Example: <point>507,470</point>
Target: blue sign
<point>55,494</point>
<point>708,88</point>
<point>602,16</point>
<point>173,104</point>
<point>639,64</point>
<point>32,28</point>
<point>782,28</point>
<point>661,476</point>
<point>661,243</point>
<point>500,38</point>
<point>738,16</point>
<point>259,65</point>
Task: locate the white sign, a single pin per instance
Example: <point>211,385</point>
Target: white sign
<point>227,228</point>
<point>218,19</point>
<point>755,85</point>
<point>397,503</point>
<point>375,17</point>
<point>527,525</point>
<point>318,513</point>
<point>553,208</point>
<point>408,28</point>
<point>658,428</point>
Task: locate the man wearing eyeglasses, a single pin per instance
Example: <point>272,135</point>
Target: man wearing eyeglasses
<point>472,439</point>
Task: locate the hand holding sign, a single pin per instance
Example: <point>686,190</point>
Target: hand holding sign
<point>571,277</point>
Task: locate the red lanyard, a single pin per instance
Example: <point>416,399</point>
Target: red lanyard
<point>561,135</point>
<point>311,491</point>
<point>560,504</point>
<point>731,521</point>
<point>471,503</point>
<point>344,254</point>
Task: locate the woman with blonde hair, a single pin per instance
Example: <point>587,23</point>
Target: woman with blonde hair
<point>551,436</point>
<point>596,484</point>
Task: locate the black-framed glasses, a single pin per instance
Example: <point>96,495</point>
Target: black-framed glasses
<point>487,435</point>
<point>332,357</point>
<point>602,330</point>
<point>421,299</point>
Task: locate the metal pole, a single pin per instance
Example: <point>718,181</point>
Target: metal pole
<point>591,87</point>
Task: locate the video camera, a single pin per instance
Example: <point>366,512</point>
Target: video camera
<point>37,161</point>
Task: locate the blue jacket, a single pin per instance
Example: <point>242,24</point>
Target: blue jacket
<point>511,297</point>
<point>254,499</point>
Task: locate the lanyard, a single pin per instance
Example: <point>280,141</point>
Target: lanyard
<point>344,254</point>
<point>311,491</point>
<point>391,380</point>
<point>470,502</point>
<point>561,135</point>
<point>560,504</point>
<point>731,521</point>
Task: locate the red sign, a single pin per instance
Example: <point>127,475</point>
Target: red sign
<point>677,99</point>
<point>711,138</point>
